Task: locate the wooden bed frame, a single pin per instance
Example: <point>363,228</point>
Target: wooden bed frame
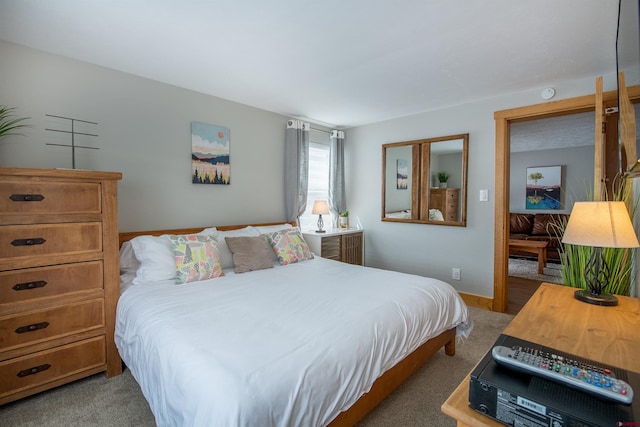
<point>386,383</point>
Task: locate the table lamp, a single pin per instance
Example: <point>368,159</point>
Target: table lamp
<point>600,225</point>
<point>320,207</point>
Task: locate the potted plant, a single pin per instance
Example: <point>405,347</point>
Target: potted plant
<point>9,123</point>
<point>443,177</point>
<point>574,259</point>
<point>343,220</point>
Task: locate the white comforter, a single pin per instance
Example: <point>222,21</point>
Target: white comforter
<point>289,346</point>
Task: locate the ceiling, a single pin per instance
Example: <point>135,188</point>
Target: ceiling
<point>334,62</point>
<point>574,130</point>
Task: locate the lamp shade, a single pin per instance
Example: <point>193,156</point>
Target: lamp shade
<point>600,224</point>
<point>320,207</point>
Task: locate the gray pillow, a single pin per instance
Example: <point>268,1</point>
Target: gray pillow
<point>250,253</point>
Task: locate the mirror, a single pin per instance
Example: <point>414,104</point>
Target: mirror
<point>425,181</point>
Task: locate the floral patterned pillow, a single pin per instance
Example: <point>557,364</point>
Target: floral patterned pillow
<point>289,246</point>
<point>197,257</point>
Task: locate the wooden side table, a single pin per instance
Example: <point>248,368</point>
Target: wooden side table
<point>346,245</point>
<point>554,318</point>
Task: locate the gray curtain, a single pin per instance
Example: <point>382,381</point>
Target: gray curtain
<point>296,168</point>
<point>337,197</point>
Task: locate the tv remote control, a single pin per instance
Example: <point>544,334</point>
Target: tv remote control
<point>597,381</point>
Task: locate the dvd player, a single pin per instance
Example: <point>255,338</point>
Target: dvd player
<point>516,398</point>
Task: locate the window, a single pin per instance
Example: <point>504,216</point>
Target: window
<point>318,180</point>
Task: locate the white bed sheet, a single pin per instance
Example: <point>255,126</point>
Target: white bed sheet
<point>289,346</point>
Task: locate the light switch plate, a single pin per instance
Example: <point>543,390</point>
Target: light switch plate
<point>484,195</point>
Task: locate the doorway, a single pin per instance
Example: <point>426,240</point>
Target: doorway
<point>504,119</point>
<point>562,145</point>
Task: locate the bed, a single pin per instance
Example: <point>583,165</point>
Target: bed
<point>312,342</point>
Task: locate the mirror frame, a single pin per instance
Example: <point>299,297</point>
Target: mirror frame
<point>421,179</point>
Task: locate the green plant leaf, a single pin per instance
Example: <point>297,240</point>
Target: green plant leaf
<point>9,123</point>
<point>574,258</point>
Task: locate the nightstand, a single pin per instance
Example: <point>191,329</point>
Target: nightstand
<point>346,245</point>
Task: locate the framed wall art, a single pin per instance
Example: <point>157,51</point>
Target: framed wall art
<point>402,171</point>
<point>210,162</point>
<point>544,187</point>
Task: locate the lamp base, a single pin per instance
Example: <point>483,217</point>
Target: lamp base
<point>585,295</point>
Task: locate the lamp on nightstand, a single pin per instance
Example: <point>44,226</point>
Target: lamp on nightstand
<point>320,207</point>
<point>600,225</point>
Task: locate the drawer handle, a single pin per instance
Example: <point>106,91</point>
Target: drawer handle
<point>27,197</point>
<point>33,370</point>
<point>31,328</point>
<point>29,285</point>
<point>28,242</point>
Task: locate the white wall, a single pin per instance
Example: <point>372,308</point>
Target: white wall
<point>144,132</point>
<point>577,175</point>
<point>144,129</point>
<point>432,250</point>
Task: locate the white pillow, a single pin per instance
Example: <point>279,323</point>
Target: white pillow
<point>226,257</point>
<point>156,259</point>
<point>128,261</point>
<point>265,229</point>
<point>154,255</point>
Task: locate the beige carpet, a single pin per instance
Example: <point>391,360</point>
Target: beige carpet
<point>97,401</point>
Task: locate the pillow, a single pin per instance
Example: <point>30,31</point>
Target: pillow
<point>289,246</point>
<point>543,224</point>
<point>154,254</point>
<point>128,261</point>
<point>520,223</point>
<point>226,257</point>
<point>155,257</point>
<point>266,229</point>
<point>196,257</point>
<point>250,253</point>
<point>435,215</point>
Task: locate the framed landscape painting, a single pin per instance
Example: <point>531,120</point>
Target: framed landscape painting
<point>402,174</point>
<point>544,187</point>
<point>210,154</point>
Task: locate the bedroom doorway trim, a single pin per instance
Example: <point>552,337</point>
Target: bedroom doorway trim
<point>503,120</point>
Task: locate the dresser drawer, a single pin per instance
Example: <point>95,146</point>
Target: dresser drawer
<point>29,284</point>
<point>50,365</point>
<point>49,198</point>
<point>38,326</point>
<point>48,239</point>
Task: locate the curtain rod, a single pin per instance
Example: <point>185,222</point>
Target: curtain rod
<point>320,130</point>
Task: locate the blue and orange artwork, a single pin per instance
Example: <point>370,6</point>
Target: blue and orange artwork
<point>544,188</point>
<point>210,154</point>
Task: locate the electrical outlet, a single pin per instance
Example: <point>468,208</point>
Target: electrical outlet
<point>455,273</point>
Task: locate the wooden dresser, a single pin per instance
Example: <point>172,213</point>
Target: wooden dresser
<point>446,201</point>
<point>340,245</point>
<point>59,278</point>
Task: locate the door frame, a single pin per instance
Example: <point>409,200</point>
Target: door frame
<point>503,120</point>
